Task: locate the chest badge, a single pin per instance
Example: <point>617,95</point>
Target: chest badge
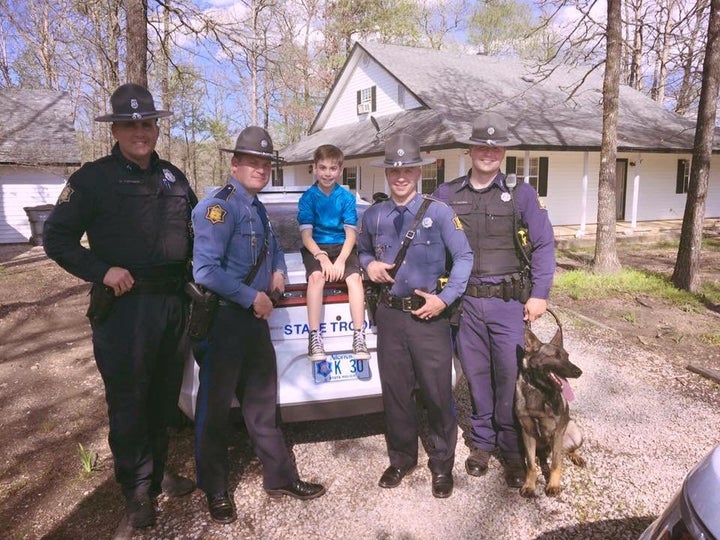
<point>168,179</point>
<point>216,214</point>
<point>427,222</point>
<point>457,223</point>
<point>505,197</point>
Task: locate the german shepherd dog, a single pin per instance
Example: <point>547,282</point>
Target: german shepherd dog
<point>543,411</point>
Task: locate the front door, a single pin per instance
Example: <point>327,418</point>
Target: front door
<point>621,166</point>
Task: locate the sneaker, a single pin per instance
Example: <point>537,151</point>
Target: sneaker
<point>360,349</point>
<point>315,346</point>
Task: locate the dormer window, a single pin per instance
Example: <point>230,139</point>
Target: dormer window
<point>366,100</point>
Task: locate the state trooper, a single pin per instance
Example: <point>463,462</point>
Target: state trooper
<point>509,231</point>
<point>135,209</point>
<point>238,257</point>
<point>414,335</point>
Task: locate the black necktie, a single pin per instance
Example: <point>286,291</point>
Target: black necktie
<point>398,221</point>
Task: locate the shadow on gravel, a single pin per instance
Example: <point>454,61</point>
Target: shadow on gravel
<point>101,511</point>
<point>617,529</point>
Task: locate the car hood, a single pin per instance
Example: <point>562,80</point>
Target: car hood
<point>702,489</point>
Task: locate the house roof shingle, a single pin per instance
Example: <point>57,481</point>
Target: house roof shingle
<point>37,128</point>
<point>455,87</point>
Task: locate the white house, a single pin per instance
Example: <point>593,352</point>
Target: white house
<point>435,96</point>
<point>38,150</point>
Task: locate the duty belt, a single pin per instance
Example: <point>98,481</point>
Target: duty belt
<point>404,303</point>
<point>158,286</point>
<point>485,290</point>
<point>512,287</point>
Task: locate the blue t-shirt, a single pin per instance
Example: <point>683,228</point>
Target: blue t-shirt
<point>327,215</point>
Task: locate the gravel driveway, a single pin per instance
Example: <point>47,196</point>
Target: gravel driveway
<point>645,425</point>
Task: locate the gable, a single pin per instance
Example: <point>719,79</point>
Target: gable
<point>37,128</point>
<point>389,96</point>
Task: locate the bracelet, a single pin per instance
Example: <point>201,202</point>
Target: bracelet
<point>321,252</point>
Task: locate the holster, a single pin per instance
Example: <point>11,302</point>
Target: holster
<point>203,309</point>
<point>525,287</point>
<point>454,312</point>
<point>372,296</point>
<point>102,298</point>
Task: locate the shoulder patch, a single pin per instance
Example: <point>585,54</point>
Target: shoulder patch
<point>457,223</point>
<point>65,194</point>
<point>541,203</point>
<point>216,214</point>
<point>225,192</point>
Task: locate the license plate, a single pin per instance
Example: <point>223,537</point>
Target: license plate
<point>340,367</point>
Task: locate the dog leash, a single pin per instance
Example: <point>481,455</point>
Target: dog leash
<point>528,324</point>
<point>567,389</point>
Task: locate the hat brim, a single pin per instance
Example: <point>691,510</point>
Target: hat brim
<point>135,117</point>
<point>400,164</point>
<point>491,143</point>
<point>271,157</point>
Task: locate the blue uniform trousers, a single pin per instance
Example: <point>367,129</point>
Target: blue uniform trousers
<point>140,351</point>
<point>410,352</point>
<point>490,343</point>
<point>240,361</point>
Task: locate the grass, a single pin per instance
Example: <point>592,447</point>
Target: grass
<point>88,458</point>
<point>584,284</point>
<point>711,339</point>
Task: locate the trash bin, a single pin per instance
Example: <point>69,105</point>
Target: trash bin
<point>37,216</point>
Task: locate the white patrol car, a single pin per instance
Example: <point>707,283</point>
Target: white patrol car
<point>339,386</point>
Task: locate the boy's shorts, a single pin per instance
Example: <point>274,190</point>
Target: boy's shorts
<point>352,263</point>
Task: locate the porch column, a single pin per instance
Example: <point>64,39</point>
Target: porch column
<point>527,167</point>
<point>583,199</point>
<point>636,191</point>
<point>462,168</point>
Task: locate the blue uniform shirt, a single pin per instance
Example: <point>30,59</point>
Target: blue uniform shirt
<point>229,236</point>
<point>328,215</point>
<point>540,231</point>
<point>439,234</point>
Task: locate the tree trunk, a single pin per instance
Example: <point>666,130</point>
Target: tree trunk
<point>686,275</point>
<point>136,29</point>
<point>687,94</point>
<point>606,259</point>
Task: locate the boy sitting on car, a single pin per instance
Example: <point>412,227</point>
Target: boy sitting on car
<point>327,215</point>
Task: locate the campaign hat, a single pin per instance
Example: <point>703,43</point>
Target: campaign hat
<point>255,141</point>
<point>131,102</point>
<point>490,129</point>
<point>402,150</point>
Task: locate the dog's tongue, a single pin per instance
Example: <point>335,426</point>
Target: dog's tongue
<point>566,390</point>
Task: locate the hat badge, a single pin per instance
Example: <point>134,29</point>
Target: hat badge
<point>134,103</point>
<point>491,131</point>
<point>400,152</point>
<point>263,143</point>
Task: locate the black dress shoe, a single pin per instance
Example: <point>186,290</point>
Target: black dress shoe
<point>442,485</point>
<point>173,485</point>
<point>514,474</point>
<point>141,511</point>
<point>477,462</point>
<point>221,507</point>
<point>392,476</point>
<point>298,490</point>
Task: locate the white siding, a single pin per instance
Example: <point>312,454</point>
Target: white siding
<point>344,108</point>
<point>656,195</point>
<point>24,187</point>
